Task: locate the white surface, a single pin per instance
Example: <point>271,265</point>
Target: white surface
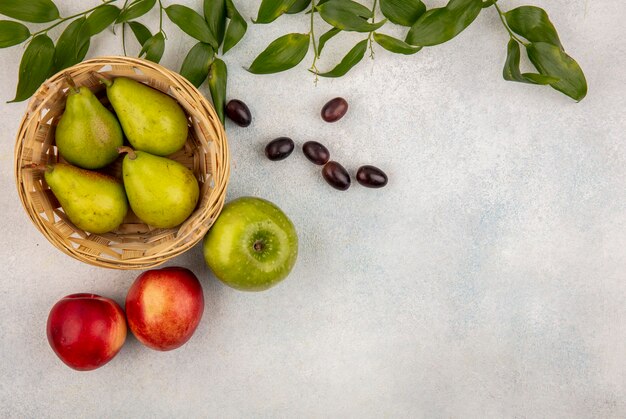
<point>487,279</point>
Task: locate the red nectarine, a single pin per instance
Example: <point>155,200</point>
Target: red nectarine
<point>164,307</point>
<point>86,331</point>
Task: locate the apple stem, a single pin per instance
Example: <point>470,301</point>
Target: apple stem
<point>131,153</point>
<point>258,246</point>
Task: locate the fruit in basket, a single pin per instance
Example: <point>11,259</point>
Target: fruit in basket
<point>162,192</point>
<point>164,307</point>
<point>88,134</point>
<point>252,245</point>
<point>86,331</point>
<point>152,121</point>
<point>92,201</point>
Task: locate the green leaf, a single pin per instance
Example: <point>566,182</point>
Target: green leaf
<point>215,16</point>
<point>298,6</point>
<point>136,9</point>
<point>552,61</point>
<point>191,23</point>
<point>36,11</point>
<point>540,78</point>
<point>101,18</point>
<point>402,12</point>
<point>35,66</point>
<point>218,78</point>
<point>533,24</point>
<point>236,27</point>
<point>140,31</point>
<point>352,58</point>
<point>395,45</point>
<point>195,68</point>
<point>342,14</point>
<point>325,38</point>
<point>350,6</point>
<point>72,45</point>
<point>270,10</point>
<point>512,72</point>
<point>437,26</point>
<point>282,54</point>
<point>153,48</point>
<point>12,33</point>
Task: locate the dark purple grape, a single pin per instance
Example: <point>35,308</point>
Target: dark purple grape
<point>336,176</point>
<point>238,112</point>
<point>371,177</point>
<point>334,110</point>
<point>279,149</point>
<point>316,152</point>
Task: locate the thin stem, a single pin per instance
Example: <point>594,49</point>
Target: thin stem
<point>65,19</point>
<point>129,151</point>
<point>374,11</point>
<point>511,34</point>
<point>160,16</point>
<point>124,31</point>
<point>102,78</point>
<point>312,33</point>
<point>124,39</point>
<point>38,166</point>
<point>70,82</point>
<point>369,37</point>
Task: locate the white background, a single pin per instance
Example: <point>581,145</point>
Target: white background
<point>487,280</point>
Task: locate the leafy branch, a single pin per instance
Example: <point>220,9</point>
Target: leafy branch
<point>41,58</point>
<point>527,26</point>
<point>220,26</point>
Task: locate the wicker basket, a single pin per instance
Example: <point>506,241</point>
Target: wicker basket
<point>134,245</point>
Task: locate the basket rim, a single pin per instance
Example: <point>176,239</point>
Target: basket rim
<point>220,172</point>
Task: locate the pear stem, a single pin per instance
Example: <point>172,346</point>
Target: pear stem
<point>103,79</point>
<point>70,82</point>
<point>127,150</point>
<point>38,166</point>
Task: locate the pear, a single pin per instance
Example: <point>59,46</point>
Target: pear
<point>161,191</point>
<point>152,121</point>
<point>88,134</point>
<point>92,201</point>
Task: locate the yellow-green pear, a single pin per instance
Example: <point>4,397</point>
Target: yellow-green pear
<point>92,201</point>
<point>161,192</point>
<point>152,121</point>
<point>88,134</point>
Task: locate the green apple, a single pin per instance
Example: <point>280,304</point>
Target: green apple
<point>252,245</point>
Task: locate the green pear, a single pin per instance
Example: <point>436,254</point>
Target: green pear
<point>88,134</point>
<point>162,192</point>
<point>152,121</point>
<point>92,201</point>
